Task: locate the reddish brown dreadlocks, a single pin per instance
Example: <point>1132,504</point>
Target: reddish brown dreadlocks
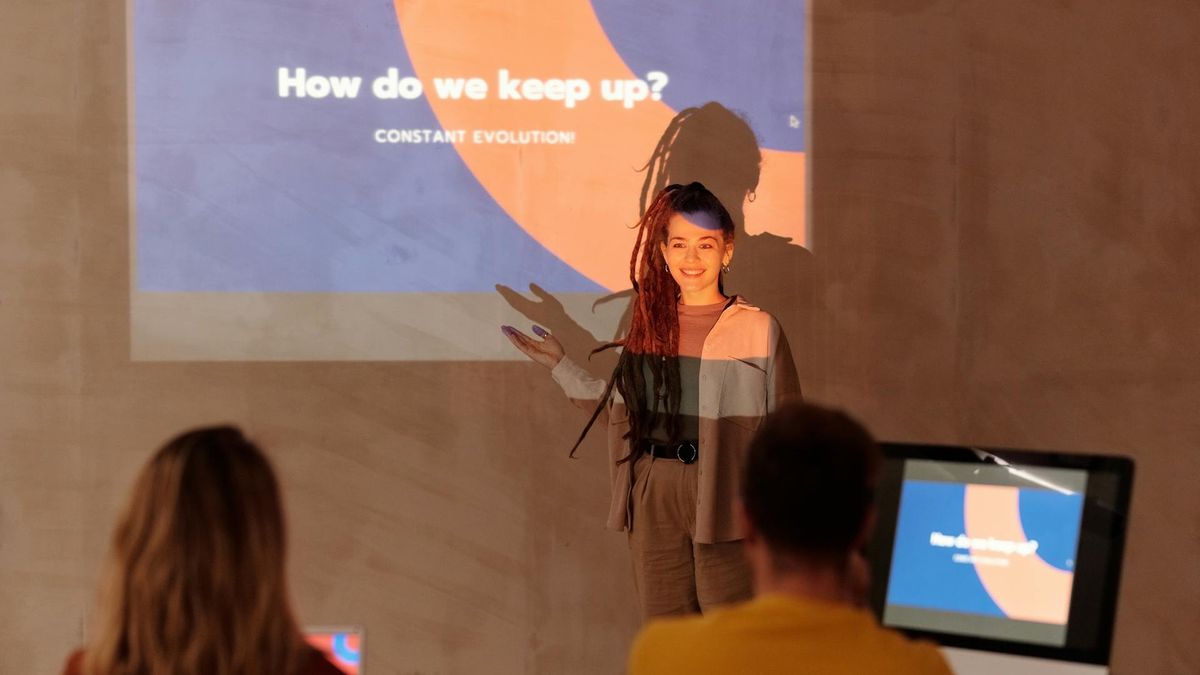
<point>651,347</point>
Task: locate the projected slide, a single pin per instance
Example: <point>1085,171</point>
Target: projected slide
<point>986,551</point>
<point>315,179</point>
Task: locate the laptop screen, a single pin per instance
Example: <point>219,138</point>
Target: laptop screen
<point>343,646</point>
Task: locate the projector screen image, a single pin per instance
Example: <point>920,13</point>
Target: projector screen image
<point>317,179</point>
<point>986,551</point>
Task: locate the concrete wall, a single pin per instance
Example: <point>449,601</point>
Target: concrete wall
<point>1006,210</point>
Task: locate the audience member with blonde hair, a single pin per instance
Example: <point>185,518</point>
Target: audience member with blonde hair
<point>195,581</point>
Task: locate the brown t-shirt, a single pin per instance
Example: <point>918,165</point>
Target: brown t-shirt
<point>317,665</point>
<point>695,323</point>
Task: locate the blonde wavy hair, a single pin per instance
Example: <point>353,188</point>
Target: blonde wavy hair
<point>195,580</point>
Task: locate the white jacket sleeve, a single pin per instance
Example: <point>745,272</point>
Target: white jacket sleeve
<point>579,385</point>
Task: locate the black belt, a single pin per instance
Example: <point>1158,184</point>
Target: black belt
<point>684,451</point>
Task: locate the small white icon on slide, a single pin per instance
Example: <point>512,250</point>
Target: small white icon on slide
<point>793,121</point>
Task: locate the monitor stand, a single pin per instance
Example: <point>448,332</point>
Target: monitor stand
<point>973,662</point>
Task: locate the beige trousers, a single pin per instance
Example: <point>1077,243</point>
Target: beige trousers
<point>673,573</point>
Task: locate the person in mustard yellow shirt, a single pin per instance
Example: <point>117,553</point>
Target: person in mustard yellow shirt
<point>697,372</point>
<point>807,506</point>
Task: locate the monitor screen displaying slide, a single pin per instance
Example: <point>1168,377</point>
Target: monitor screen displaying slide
<point>1012,551</point>
<point>332,180</point>
<point>981,551</point>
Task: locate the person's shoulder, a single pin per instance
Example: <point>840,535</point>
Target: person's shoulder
<point>751,311</point>
<point>749,314</point>
<point>741,303</point>
<point>746,311</point>
<point>661,640</point>
<point>923,658</point>
<point>909,656</point>
<point>669,629</point>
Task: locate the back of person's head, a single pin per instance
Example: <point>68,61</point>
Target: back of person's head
<point>809,483</point>
<point>195,581</point>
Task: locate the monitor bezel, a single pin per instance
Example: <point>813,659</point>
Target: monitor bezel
<point>1106,510</point>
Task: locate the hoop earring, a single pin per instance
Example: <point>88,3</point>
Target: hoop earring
<point>752,196</point>
<point>666,267</point>
<point>725,268</point>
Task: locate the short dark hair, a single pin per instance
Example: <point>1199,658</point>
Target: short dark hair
<point>809,481</point>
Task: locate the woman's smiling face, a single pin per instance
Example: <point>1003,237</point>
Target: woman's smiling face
<point>695,251</point>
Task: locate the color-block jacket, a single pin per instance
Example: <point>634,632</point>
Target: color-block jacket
<point>746,371</point>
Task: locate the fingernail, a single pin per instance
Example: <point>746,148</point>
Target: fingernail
<point>539,331</point>
<point>507,330</point>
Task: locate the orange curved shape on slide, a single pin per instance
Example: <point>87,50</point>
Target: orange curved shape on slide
<point>579,200</point>
<point>1027,588</point>
<point>778,206</point>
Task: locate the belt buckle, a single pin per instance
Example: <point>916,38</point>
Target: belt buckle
<point>687,453</point>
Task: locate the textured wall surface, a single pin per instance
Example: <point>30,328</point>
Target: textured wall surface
<point>1008,224</point>
<point>1007,253</point>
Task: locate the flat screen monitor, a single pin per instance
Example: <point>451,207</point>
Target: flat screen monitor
<point>998,550</point>
<point>342,645</point>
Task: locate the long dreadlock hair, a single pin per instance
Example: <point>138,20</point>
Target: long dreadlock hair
<point>652,343</point>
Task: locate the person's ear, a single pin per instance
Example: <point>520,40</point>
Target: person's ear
<point>728,253</point>
<point>865,530</point>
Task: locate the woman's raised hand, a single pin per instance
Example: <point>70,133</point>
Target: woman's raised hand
<point>548,351</point>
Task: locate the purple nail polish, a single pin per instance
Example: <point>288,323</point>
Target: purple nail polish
<point>539,331</point>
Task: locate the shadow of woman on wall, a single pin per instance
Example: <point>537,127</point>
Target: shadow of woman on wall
<point>715,146</point>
